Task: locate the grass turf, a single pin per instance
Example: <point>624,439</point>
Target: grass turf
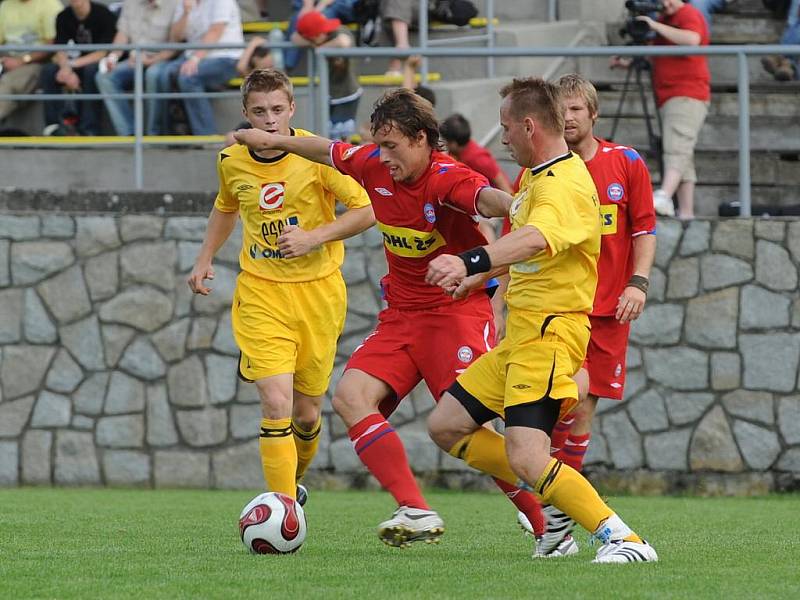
<point>75,543</point>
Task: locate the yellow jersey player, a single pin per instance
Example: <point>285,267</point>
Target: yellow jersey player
<point>290,300</point>
<point>551,254</point>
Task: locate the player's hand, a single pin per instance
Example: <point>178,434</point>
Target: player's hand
<point>257,140</point>
<point>198,275</point>
<point>446,271</point>
<point>11,62</point>
<point>463,288</point>
<point>618,62</point>
<point>294,242</point>
<point>630,305</point>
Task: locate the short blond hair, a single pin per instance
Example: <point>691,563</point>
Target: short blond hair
<point>266,80</point>
<point>573,84</point>
<point>533,96</point>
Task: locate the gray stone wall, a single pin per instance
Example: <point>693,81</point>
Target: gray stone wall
<point>112,373</point>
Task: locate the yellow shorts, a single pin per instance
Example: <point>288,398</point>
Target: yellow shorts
<point>536,360</point>
<point>289,328</point>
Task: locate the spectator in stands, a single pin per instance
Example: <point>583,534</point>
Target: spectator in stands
<point>315,29</point>
<point>332,9</point>
<point>682,87</point>
<point>260,55</point>
<point>410,67</point>
<point>24,22</point>
<point>398,15</point>
<point>786,68</point>
<point>707,7</point>
<point>457,135</point>
<point>141,22</point>
<point>206,22</point>
<point>82,22</point>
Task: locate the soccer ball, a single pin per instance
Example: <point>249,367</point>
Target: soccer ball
<point>272,523</point>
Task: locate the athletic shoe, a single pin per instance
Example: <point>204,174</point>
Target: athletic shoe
<point>524,523</point>
<point>302,494</point>
<point>567,547</point>
<point>615,549</point>
<point>663,203</point>
<point>558,527</point>
<point>409,525</point>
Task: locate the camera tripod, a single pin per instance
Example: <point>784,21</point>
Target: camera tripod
<point>638,66</point>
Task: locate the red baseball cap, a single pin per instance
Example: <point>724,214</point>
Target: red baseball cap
<point>314,23</point>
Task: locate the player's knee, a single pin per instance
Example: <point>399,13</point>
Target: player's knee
<point>439,431</point>
<point>348,401</point>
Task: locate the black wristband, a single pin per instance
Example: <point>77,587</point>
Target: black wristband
<point>640,282</point>
<point>476,260</point>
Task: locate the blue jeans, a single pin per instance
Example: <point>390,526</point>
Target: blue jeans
<point>791,34</point>
<point>339,9</point>
<point>118,81</point>
<point>707,7</point>
<point>212,74</point>
<point>88,111</point>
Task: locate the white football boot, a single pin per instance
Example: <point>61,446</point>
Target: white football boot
<point>557,539</point>
<point>567,547</point>
<point>409,525</point>
<point>615,549</point>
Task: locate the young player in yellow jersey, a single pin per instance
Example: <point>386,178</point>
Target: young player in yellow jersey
<point>551,254</point>
<point>290,300</point>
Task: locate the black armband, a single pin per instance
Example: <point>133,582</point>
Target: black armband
<point>476,260</point>
<point>640,282</point>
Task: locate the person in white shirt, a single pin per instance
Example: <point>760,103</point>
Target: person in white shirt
<point>207,22</point>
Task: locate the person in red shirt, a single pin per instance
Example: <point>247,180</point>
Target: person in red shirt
<point>425,205</point>
<point>627,250</point>
<point>682,87</point>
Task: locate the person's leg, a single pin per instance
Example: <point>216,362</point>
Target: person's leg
<point>276,444</point>
<point>344,10</point>
<point>22,80</point>
<point>159,79</point>
<point>212,74</point>
<point>399,14</point>
<point>791,34</point>
<point>291,56</point>
<point>117,81</point>
<point>89,110</point>
<point>53,109</point>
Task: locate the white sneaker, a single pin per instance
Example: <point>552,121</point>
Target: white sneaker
<point>558,527</point>
<point>567,547</point>
<point>409,525</point>
<point>524,523</point>
<point>663,203</point>
<point>615,549</point>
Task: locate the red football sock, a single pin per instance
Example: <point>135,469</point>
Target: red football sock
<point>525,502</point>
<point>560,433</point>
<point>573,450</point>
<point>382,452</point>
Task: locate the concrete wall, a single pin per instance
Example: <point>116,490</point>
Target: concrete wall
<point>111,373</point>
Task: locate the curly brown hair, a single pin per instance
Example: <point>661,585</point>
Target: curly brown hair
<point>533,96</point>
<point>266,80</point>
<point>407,112</point>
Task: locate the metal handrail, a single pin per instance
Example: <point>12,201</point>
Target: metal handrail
<point>743,77</point>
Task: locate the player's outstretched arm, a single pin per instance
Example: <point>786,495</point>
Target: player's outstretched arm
<point>493,202</point>
<point>311,147</point>
<point>296,242</point>
<point>219,228</point>
<point>631,301</point>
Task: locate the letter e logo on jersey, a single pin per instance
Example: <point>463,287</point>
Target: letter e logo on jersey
<point>615,192</point>
<point>271,197</point>
<point>429,212</point>
<point>465,354</point>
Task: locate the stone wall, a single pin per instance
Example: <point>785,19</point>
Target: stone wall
<point>112,373</point>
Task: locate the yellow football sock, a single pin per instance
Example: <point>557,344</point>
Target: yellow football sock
<point>306,443</point>
<point>569,491</point>
<point>485,450</point>
<point>278,456</point>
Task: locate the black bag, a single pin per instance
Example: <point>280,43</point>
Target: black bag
<point>368,18</point>
<point>453,12</point>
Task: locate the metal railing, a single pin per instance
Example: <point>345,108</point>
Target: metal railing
<point>740,52</point>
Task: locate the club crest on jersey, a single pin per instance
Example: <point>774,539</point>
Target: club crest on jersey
<point>615,192</point>
<point>465,354</point>
<point>271,197</point>
<point>349,152</point>
<point>429,212</point>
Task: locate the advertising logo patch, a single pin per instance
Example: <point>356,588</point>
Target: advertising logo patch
<point>271,197</point>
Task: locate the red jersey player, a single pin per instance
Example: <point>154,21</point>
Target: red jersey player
<point>425,205</point>
<point>627,250</point>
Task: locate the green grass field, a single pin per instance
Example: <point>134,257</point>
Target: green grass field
<point>184,544</point>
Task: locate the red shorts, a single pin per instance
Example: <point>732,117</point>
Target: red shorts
<point>605,357</point>
<point>434,344</point>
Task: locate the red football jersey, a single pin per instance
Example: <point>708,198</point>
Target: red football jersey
<point>626,206</point>
<point>433,215</point>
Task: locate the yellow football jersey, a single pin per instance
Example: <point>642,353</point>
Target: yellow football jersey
<point>273,193</point>
<point>559,198</point>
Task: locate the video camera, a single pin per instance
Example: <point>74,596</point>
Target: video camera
<point>638,31</point>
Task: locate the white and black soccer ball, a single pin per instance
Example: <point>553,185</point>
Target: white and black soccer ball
<point>272,523</point>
